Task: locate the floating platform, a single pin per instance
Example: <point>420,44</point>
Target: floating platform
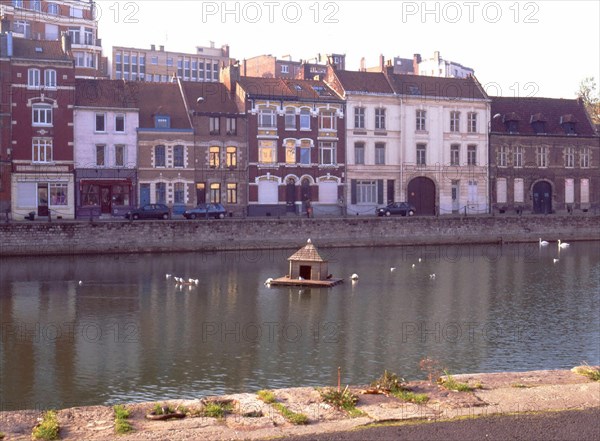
<point>286,281</point>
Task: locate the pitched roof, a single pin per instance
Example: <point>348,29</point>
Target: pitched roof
<point>216,98</point>
<point>439,87</point>
<point>552,111</point>
<point>39,50</point>
<point>290,89</point>
<point>106,93</point>
<point>308,253</point>
<point>162,99</point>
<point>364,82</point>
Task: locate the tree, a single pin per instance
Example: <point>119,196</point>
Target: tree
<point>591,98</point>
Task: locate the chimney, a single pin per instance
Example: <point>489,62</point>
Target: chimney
<point>436,57</point>
<point>416,61</point>
<point>65,40</point>
<point>381,62</point>
<point>161,48</point>
<point>153,47</point>
<point>229,75</point>
<point>225,51</point>
<point>362,65</point>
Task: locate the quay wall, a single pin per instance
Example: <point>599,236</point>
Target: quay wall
<point>39,238</point>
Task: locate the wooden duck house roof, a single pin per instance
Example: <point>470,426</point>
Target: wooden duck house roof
<point>308,253</point>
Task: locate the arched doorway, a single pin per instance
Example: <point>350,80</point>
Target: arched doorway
<point>290,195</point>
<point>421,194</point>
<point>542,197</point>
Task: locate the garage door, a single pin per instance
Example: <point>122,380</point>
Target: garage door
<point>267,192</point>
<point>328,192</point>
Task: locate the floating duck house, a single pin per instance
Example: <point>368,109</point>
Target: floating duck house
<point>307,268</point>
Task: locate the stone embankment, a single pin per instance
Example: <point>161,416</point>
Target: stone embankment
<point>71,238</point>
<point>250,418</point>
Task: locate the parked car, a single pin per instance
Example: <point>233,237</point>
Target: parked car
<point>149,211</point>
<point>206,210</point>
<point>401,208</point>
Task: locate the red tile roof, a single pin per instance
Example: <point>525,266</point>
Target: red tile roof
<point>440,87</point>
<point>364,82</point>
<point>161,99</point>
<point>39,50</point>
<point>215,98</point>
<point>528,110</point>
<point>106,93</point>
<point>290,89</point>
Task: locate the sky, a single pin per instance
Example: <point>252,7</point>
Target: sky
<point>517,48</point>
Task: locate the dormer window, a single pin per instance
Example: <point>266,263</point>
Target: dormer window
<point>511,122</point>
<point>162,122</point>
<point>538,123</point>
<point>567,122</point>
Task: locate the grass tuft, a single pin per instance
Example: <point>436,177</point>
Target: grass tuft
<point>411,397</point>
<point>292,417</point>
<point>344,399</point>
<point>216,410</point>
<point>592,373</point>
<point>450,383</point>
<point>48,428</point>
<point>122,426</point>
<point>266,395</point>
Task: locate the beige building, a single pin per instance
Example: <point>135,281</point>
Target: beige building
<point>160,66</point>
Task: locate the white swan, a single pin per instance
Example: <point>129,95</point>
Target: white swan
<point>392,269</point>
<point>167,276</point>
<point>432,276</point>
<point>543,243</point>
<point>555,260</point>
<point>563,244</point>
<point>354,276</point>
<point>413,265</point>
<point>268,281</point>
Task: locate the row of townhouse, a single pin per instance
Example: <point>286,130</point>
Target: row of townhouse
<point>74,147</point>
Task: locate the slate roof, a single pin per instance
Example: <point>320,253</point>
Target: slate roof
<point>308,253</point>
<point>216,98</point>
<point>420,85</point>
<point>39,50</point>
<point>550,110</point>
<point>288,89</point>
<point>161,99</point>
<point>364,82</point>
<point>106,93</point>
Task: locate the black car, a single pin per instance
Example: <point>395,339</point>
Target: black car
<point>401,208</point>
<point>149,211</point>
<point>206,210</point>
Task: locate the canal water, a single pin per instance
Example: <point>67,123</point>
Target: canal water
<point>106,329</point>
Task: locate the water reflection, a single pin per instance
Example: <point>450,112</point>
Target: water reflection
<point>129,333</point>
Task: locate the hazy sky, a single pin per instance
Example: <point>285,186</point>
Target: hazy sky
<point>524,48</point>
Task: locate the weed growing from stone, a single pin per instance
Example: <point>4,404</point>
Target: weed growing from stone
<point>48,428</point>
<point>292,417</point>
<point>266,396</point>
<point>450,383</point>
<point>121,415</point>
<point>593,373</point>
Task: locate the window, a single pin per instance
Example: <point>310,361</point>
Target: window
<point>290,118</point>
<point>472,122</point>
<point>518,156</point>
<point>359,153</point>
<point>266,118</point>
<point>285,69</point>
<point>120,123</point>
<point>519,190</point>
<point>569,157</point>
<point>231,126</point>
<point>501,191</point>
<point>421,119</point>
<point>58,194</point>
<point>159,156</point>
<point>359,117</point>
<point>232,192</point>
<point>584,191</point>
<point>169,61</point>
<point>17,3</point>
<point>100,155</point>
<point>100,122</point>
<point>179,193</point>
<point>327,150</point>
<point>304,119</point>
<point>162,122</point>
<point>76,12</point>
<point>214,156</point>
<point>160,192</point>
<point>584,157</point>
<point>366,192</point>
<point>119,155</point>
<point>472,155</point>
<point>22,27</point>
<point>327,120</point>
<point>120,195</point>
<point>52,9</point>
<point>214,125</point>
<point>50,78</point>
<point>379,153</point>
<point>266,152</point>
<point>215,193</point>
<point>231,157</point>
<point>421,154</point>
<point>42,150</point>
<point>569,191</point>
<point>455,154</point>
<point>305,146</point>
<point>154,60</point>
<point>290,151</point>
<point>51,31</point>
<point>33,78</point>
<point>455,121</point>
<point>503,156</point>
<point>472,192</point>
<point>380,118</point>
<point>90,194</point>
<point>88,36</point>
<point>42,115</point>
<point>178,156</point>
<point>75,34</point>
<point>541,156</point>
